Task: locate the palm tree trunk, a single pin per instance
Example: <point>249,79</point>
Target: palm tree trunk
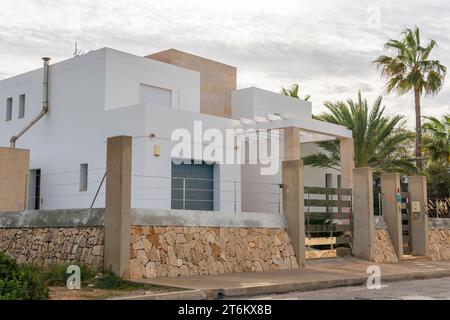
<point>418,151</point>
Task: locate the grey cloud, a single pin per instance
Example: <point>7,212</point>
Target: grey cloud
<point>313,42</point>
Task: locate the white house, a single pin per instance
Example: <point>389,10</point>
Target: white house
<point>107,92</point>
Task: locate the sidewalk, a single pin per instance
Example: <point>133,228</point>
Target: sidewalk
<point>319,274</point>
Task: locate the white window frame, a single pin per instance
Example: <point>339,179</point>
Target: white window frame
<point>84,169</point>
<point>22,100</point>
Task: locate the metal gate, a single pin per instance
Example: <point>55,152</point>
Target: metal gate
<point>328,222</point>
<point>406,227</point>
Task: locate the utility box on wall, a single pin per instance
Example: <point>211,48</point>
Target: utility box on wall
<point>14,166</point>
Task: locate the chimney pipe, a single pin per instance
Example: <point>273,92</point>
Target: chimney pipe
<point>44,104</point>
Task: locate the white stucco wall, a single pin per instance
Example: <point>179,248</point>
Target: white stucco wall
<point>92,97</point>
<point>99,94</point>
<point>262,193</point>
<point>254,102</point>
<point>125,72</point>
<point>162,122</point>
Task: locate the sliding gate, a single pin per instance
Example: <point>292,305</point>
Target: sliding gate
<point>328,222</point>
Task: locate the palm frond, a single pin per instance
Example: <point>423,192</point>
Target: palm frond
<point>378,139</point>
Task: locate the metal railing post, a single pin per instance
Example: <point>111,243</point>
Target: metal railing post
<point>184,193</point>
<point>235,197</point>
<point>380,206</point>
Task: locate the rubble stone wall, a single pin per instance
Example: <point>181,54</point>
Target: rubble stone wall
<point>384,250</point>
<point>44,246</point>
<point>439,238</point>
<point>208,242</point>
<point>183,251</point>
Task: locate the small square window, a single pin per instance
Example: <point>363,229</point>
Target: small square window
<point>9,105</point>
<point>83,177</point>
<point>21,106</point>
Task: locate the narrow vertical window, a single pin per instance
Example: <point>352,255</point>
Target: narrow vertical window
<point>21,106</point>
<point>83,177</point>
<point>9,104</point>
<point>328,180</point>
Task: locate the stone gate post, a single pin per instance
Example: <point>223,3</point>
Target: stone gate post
<point>118,205</point>
<point>417,188</point>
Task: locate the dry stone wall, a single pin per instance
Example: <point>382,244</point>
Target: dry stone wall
<point>183,251</point>
<point>44,246</point>
<point>439,244</point>
<point>209,243</point>
<point>384,250</point>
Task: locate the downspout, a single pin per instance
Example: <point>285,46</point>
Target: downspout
<point>44,105</point>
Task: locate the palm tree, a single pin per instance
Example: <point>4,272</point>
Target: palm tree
<point>380,142</point>
<point>410,68</point>
<point>436,139</point>
<point>293,92</point>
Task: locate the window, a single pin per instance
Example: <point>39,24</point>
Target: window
<point>83,177</point>
<point>328,180</point>
<point>9,104</point>
<point>34,189</point>
<point>21,106</point>
<point>193,186</point>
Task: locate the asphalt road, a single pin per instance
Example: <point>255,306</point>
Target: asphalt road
<point>432,289</point>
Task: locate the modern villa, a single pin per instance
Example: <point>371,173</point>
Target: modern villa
<point>107,92</point>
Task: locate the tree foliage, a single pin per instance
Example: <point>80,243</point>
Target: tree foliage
<point>293,92</point>
<point>410,68</point>
<point>436,139</point>
<point>380,141</point>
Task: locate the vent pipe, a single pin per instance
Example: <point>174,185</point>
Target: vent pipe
<point>44,105</point>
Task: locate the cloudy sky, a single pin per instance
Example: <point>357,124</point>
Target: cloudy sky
<point>326,46</point>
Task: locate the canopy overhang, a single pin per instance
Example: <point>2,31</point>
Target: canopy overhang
<point>311,130</point>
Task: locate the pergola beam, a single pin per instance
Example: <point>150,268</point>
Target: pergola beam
<point>310,125</point>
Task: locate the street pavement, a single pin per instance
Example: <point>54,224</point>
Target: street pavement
<point>430,289</point>
<point>318,275</point>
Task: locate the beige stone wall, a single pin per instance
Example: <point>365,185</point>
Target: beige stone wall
<point>43,246</point>
<point>157,251</point>
<point>217,80</point>
<point>439,244</point>
<point>384,251</point>
<point>319,254</point>
<point>14,166</point>
<point>183,251</point>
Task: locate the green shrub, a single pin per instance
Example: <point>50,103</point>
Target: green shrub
<point>20,282</point>
<point>109,280</point>
<point>56,274</point>
<point>438,178</point>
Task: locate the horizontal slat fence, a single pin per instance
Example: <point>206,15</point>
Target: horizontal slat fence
<point>328,220</point>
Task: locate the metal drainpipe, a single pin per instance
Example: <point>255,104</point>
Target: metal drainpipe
<point>44,105</point>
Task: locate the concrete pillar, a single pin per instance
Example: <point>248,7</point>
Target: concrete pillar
<point>14,167</point>
<point>347,162</point>
<point>417,188</point>
<point>291,143</point>
<point>118,205</point>
<point>363,218</point>
<point>392,209</point>
<point>293,206</point>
